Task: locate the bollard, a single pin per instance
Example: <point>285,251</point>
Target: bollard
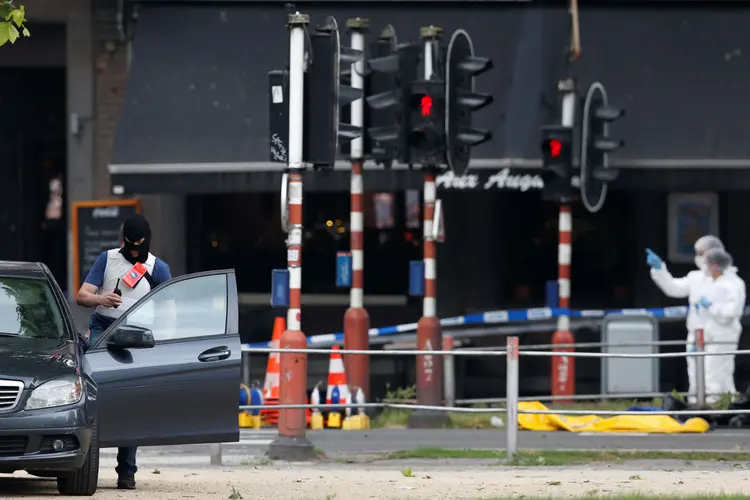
<point>700,369</point>
<point>216,451</point>
<point>292,444</point>
<point>449,372</point>
<point>316,419</point>
<point>511,405</point>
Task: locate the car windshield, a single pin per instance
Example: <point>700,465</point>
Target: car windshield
<point>28,309</point>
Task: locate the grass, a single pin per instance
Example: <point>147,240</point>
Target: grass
<point>397,418</point>
<point>529,458</point>
<point>639,497</point>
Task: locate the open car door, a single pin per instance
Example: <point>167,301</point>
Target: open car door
<point>182,387</point>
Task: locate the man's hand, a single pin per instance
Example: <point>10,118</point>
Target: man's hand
<point>110,299</point>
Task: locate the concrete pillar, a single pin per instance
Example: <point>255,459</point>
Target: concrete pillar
<point>80,100</point>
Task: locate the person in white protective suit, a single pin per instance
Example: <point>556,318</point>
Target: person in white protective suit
<point>691,286</point>
<point>720,310</point>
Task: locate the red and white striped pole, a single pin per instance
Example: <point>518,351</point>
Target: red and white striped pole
<point>292,444</point>
<point>563,367</point>
<point>429,336</point>
<point>356,319</point>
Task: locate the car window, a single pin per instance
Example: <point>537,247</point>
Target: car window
<point>192,307</point>
<point>28,309</point>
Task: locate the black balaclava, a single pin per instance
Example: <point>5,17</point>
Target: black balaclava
<point>135,228</point>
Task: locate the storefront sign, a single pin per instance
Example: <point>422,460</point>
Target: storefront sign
<point>504,179</point>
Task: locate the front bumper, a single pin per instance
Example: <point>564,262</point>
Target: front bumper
<point>27,439</point>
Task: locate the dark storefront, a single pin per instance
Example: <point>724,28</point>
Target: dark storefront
<point>194,123</point>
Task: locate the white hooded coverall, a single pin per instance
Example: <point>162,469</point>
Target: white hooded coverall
<point>722,329</point>
<point>693,286</point>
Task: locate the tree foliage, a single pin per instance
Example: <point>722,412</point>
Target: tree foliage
<point>12,22</point>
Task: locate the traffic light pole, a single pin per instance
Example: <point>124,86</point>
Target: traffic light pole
<point>429,335</point>
<point>563,367</point>
<point>292,444</point>
<point>356,319</point>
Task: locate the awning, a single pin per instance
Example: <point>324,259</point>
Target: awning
<point>195,111</point>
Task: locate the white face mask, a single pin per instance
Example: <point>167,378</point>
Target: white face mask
<point>700,262</point>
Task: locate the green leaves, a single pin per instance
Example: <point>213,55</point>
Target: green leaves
<point>12,22</point>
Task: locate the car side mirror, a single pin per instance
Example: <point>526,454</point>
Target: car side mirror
<point>131,337</point>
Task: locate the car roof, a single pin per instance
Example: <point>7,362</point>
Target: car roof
<point>22,269</point>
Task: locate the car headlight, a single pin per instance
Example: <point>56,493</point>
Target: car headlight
<point>59,392</point>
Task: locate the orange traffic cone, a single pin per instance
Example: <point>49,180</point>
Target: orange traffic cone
<point>336,384</point>
<point>271,385</point>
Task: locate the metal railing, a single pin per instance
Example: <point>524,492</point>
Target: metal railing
<point>512,353</point>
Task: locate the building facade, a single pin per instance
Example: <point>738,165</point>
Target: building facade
<point>168,101</point>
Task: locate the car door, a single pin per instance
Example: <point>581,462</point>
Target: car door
<point>184,389</point>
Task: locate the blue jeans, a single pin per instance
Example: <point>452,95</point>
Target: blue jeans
<point>125,456</point>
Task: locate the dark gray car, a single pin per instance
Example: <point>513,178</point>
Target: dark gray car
<point>165,373</point>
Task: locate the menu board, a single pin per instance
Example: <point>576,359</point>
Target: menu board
<point>97,227</point>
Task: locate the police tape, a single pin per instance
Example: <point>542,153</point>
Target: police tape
<point>504,316</point>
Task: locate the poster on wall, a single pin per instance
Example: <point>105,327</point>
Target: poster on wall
<point>413,209</point>
<point>383,204</point>
<point>691,215</point>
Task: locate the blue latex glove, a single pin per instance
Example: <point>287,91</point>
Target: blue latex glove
<point>653,260</point>
<point>704,302</point>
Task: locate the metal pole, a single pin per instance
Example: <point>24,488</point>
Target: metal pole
<point>429,337</point>
<point>449,372</point>
<point>292,444</point>
<point>511,391</point>
<point>246,368</point>
<point>563,367</point>
<point>700,368</point>
<point>356,319</point>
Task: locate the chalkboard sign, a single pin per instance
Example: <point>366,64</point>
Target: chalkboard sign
<point>96,227</point>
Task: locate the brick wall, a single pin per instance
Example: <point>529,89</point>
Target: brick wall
<point>110,60</point>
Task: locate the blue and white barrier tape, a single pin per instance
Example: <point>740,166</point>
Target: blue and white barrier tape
<point>507,316</point>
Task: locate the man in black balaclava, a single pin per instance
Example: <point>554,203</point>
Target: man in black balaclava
<point>107,290</point>
<point>136,236</point>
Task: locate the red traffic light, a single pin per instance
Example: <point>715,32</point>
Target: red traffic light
<point>555,148</point>
<point>426,105</point>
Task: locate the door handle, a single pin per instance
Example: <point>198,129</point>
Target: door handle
<point>214,354</point>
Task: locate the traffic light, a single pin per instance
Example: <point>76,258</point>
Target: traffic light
<point>557,163</point>
<point>461,68</point>
<point>391,81</point>
<point>375,83</point>
<point>324,95</point>
<point>596,145</point>
<point>427,116</point>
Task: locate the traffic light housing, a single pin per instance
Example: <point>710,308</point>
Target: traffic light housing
<point>462,66</point>
<point>557,163</point>
<point>374,82</point>
<point>391,80</point>
<point>596,145</point>
<point>325,95</point>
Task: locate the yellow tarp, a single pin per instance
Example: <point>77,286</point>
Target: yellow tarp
<point>656,424</point>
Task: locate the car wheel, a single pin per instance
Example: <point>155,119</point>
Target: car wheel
<point>83,482</point>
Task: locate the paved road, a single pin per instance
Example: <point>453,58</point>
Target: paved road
<point>253,444</point>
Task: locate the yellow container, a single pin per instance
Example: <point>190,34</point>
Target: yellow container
<point>334,420</point>
<point>246,420</point>
<point>316,422</point>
